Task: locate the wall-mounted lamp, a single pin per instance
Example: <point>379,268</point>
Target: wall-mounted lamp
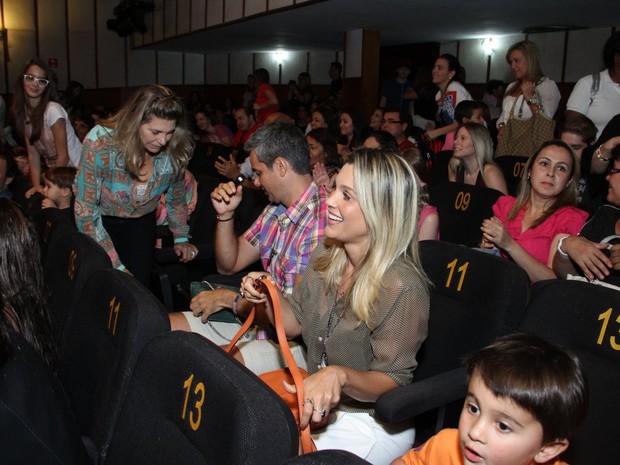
<point>487,46</point>
<point>279,56</point>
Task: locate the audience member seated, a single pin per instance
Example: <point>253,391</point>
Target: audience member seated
<point>58,189</point>
<point>362,309</point>
<point>493,98</point>
<point>596,96</point>
<point>382,140</point>
<point>467,111</point>
<point>525,400</point>
<point>81,125</point>
<point>8,171</point>
<point>580,132</point>
<point>472,159</point>
<point>283,236</point>
<point>595,252</point>
<point>37,425</point>
<point>428,217</point>
<point>324,159</point>
<point>299,93</point>
<point>397,122</point>
<point>449,76</point>
<point>209,132</point>
<point>527,228</point>
<point>326,116</point>
<point>234,166</point>
<point>352,131</point>
<point>531,91</point>
<point>376,119</point>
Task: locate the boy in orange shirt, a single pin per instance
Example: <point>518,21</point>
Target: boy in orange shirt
<point>525,400</point>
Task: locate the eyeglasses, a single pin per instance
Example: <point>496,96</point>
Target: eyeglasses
<point>392,121</point>
<point>613,171</point>
<point>37,80</point>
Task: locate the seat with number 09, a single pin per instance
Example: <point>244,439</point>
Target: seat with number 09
<point>585,319</point>
<point>115,317</point>
<point>461,209</point>
<point>189,402</point>
<point>475,298</point>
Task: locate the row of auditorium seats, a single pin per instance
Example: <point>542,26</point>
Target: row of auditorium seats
<point>462,207</point>
<point>143,394</point>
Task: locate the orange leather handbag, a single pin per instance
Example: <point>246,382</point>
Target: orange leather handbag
<point>292,374</point>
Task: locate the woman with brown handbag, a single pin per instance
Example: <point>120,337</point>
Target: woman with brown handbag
<point>362,308</point>
<point>531,95</point>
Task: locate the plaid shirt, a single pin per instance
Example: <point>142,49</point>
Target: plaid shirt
<point>286,237</point>
<point>103,187</point>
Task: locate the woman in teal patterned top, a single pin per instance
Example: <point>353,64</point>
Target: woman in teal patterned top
<point>128,161</point>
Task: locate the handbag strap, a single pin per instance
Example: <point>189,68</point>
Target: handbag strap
<point>244,328</point>
<point>307,444</point>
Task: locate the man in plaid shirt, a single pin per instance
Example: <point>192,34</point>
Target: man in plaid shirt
<point>282,237</point>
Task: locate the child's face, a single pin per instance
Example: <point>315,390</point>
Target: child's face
<point>576,143</point>
<point>495,431</point>
<point>53,192</point>
<point>476,117</point>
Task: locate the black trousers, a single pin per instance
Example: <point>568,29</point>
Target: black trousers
<point>134,240</point>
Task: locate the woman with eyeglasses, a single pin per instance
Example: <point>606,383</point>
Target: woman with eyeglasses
<point>528,228</point>
<point>44,123</point>
<point>361,308</point>
<point>595,252</point>
<point>128,162</point>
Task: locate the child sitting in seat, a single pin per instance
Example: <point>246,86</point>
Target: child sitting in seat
<point>525,400</point>
<point>57,190</point>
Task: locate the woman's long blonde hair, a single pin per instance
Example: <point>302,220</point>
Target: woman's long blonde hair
<point>387,192</point>
<point>483,145</point>
<point>151,101</point>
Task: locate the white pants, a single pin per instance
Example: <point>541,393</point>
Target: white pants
<point>259,356</point>
<point>364,436</point>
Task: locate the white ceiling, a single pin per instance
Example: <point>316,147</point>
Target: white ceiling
<point>321,25</point>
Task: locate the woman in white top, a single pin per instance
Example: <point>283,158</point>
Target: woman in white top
<point>449,76</point>
<point>532,90</point>
<point>44,123</point>
<point>599,101</point>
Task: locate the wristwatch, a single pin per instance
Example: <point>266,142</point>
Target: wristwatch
<point>533,101</point>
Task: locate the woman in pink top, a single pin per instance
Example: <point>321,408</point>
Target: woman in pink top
<point>526,228</point>
<point>428,217</point>
<point>266,100</point>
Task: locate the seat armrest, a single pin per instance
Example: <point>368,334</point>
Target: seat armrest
<point>408,401</point>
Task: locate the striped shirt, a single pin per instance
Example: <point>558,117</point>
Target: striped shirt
<point>286,237</point>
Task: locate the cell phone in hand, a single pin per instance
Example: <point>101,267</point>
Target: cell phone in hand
<point>239,180</point>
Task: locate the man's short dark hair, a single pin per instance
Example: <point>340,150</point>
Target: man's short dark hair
<point>281,139</point>
<point>582,126</point>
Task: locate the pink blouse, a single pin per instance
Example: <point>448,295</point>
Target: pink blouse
<point>427,210</point>
<point>537,241</point>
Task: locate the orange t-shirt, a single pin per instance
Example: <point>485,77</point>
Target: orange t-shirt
<point>442,449</point>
